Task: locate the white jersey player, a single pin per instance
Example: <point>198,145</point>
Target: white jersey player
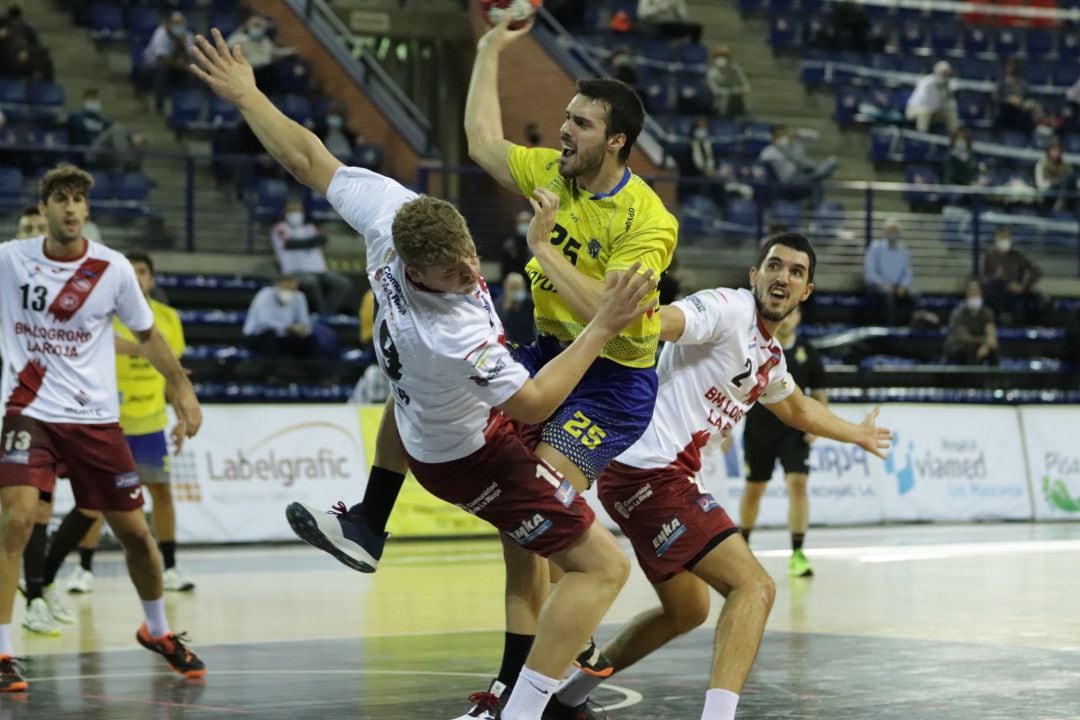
<point>723,359</point>
<point>58,295</point>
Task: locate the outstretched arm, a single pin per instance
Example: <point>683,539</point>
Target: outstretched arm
<point>154,348</point>
<point>808,415</point>
<point>229,75</point>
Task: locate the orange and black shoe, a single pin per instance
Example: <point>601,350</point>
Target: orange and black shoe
<point>592,662</point>
<point>11,679</point>
<point>171,647</point>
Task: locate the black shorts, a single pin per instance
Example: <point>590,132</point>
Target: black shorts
<point>762,450</point>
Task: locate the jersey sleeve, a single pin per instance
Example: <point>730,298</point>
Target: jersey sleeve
<point>528,165</point>
<point>650,241</point>
<point>368,201</point>
<point>781,385</point>
<point>486,370</point>
<point>708,313</point>
<point>131,307</point>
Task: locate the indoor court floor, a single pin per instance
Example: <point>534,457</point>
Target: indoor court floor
<point>916,621</point>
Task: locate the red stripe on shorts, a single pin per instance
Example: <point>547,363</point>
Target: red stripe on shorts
<point>30,379</point>
<point>78,287</point>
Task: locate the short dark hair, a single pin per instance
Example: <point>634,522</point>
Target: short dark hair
<point>32,210</point>
<point>65,177</point>
<point>140,256</point>
<point>793,240</point>
<point>625,113</point>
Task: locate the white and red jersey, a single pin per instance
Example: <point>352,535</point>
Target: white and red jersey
<point>724,362</point>
<point>56,330</point>
<point>444,353</point>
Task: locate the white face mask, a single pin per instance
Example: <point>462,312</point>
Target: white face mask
<point>974,303</point>
<point>334,122</point>
<point>1003,245</point>
<point>701,133</point>
<point>720,62</point>
<point>784,141</point>
<point>520,295</point>
<point>295,218</point>
<point>93,106</point>
<point>285,295</point>
<point>523,228</point>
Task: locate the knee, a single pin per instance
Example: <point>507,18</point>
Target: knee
<point>617,570</point>
<point>762,589</point>
<point>17,528</point>
<point>797,488</point>
<point>135,540</point>
<point>689,614</point>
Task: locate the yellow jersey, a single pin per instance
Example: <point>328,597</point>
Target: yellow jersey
<point>142,388</point>
<point>598,233</point>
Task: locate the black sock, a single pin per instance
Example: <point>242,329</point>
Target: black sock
<point>797,541</point>
<point>34,561</point>
<point>86,558</point>
<point>168,553</point>
<point>380,495</point>
<point>515,649</point>
<point>745,532</point>
<point>66,538</point>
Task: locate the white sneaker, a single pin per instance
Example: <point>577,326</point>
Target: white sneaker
<point>39,618</point>
<point>486,705</point>
<point>81,581</point>
<point>56,604</point>
<point>176,579</point>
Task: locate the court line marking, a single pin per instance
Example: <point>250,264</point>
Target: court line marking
<point>165,703</point>
<point>630,697</point>
<point>938,551</point>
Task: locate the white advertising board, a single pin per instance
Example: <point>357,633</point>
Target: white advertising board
<point>1052,437</point>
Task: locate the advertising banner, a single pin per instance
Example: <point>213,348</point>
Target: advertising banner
<point>1051,435</point>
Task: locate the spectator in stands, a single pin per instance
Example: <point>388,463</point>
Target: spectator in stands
<point>86,123</point>
<point>278,323</point>
<point>1072,96</point>
<point>849,27</point>
<point>163,65</point>
<point>888,276</point>
<point>117,150</point>
<point>786,157</point>
<point>959,167</point>
<point>298,246</point>
<point>624,66</point>
<point>532,135</point>
<point>22,55</point>
<point>335,136</point>
<point>1008,280</point>
<point>515,248</point>
<point>668,19</point>
<point>933,101</point>
<point>1016,111</point>
<point>515,309</point>
<point>972,338</point>
<point>261,52</point>
<point>728,84</point>
<point>31,223</point>
<point>1054,176</point>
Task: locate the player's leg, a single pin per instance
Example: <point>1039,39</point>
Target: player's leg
<point>795,458</point>
<point>17,505</point>
<point>761,456</point>
<point>356,535</point>
<point>73,530</point>
<point>34,554</point>
<point>151,454</point>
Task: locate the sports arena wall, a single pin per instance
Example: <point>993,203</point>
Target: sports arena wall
<point>949,463</point>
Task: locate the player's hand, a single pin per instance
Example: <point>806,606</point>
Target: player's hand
<point>223,68</point>
<point>499,36</point>
<point>624,292</point>
<point>726,443</point>
<point>545,205</point>
<point>875,440</point>
<point>178,435</point>
<point>186,405</point>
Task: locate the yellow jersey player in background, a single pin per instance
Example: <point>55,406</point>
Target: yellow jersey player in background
<point>608,219</point>
<point>143,420</point>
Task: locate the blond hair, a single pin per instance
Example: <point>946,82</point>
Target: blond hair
<point>65,177</point>
<point>429,232</point>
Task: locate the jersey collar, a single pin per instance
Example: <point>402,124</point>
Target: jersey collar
<point>619,186</point>
<point>761,327</point>
<point>45,251</point>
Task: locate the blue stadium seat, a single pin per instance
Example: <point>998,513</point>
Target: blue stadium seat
<point>295,107</point>
<point>782,33</point>
<point>47,100</point>
<point>829,217</point>
<point>223,20</point>
<point>318,207</point>
<point>1015,138</point>
<point>693,54</point>
<point>368,155</point>
<point>221,114</point>
<point>1035,73</point>
<point>11,181</point>
<point>973,108</point>
<point>847,105</point>
<point>1069,48</point>
<point>13,99</point>
<point>812,72</point>
<point>694,96</point>
<point>1040,43</point>
<point>102,189</point>
<point>655,92</point>
<point>741,212</point>
<point>269,201</point>
<point>142,22</point>
<point>944,37</point>
<point>912,37</point>
<point>294,76</point>
<point>746,7</point>
<point>920,175</point>
<point>186,110</point>
<point>1009,42</point>
<point>698,213</point>
<point>1063,75</point>
<point>131,192</point>
<point>881,142</point>
<point>974,69</point>
<point>659,50</point>
<point>978,40</point>
<point>781,6</point>
<point>917,151</point>
<point>786,212</point>
<point>106,22</point>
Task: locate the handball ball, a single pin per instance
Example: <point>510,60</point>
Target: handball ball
<point>520,11</point>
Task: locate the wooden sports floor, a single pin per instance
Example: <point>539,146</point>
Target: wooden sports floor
<point>917,621</point>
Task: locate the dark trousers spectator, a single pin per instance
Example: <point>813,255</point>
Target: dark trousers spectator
<point>325,291</point>
<point>1012,117</point>
<point>969,355</point>
<point>676,30</point>
<point>891,308</point>
<point>162,79</point>
<point>1011,308</point>
<point>270,344</point>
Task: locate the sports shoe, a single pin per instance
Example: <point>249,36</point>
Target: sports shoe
<point>555,710</point>
<point>57,606</point>
<point>342,532</point>
<point>39,618</point>
<point>592,662</point>
<point>11,679</point>
<point>81,581</point>
<point>485,704</point>
<point>177,580</point>
<point>171,647</point>
<point>799,566</point>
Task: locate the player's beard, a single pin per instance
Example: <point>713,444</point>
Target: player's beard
<point>761,297</point>
<point>584,160</point>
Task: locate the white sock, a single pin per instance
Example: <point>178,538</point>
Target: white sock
<point>719,705</point>
<point>154,610</point>
<point>531,694</point>
<point>5,640</point>
<point>577,688</point>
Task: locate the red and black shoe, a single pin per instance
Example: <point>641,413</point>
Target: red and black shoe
<point>171,647</point>
<point>11,679</point>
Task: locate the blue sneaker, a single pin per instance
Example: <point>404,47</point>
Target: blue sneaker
<point>342,532</point>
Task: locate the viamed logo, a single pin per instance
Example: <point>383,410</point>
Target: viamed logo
<point>905,475</point>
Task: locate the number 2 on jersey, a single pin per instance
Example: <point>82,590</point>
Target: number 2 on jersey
<point>582,427</point>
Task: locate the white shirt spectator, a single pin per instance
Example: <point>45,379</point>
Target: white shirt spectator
<point>162,44</point>
<point>932,94</point>
<point>1073,93</point>
<point>662,10</point>
<point>308,258</point>
<point>276,309</point>
<point>258,47</point>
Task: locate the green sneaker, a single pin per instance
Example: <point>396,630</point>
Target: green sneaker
<point>799,566</point>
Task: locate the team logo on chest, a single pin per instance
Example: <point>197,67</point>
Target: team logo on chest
<point>594,248</point>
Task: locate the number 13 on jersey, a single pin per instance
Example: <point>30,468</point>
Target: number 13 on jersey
<point>583,428</point>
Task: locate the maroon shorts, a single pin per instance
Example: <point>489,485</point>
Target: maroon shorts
<point>670,520</point>
<point>505,484</point>
<point>97,459</point>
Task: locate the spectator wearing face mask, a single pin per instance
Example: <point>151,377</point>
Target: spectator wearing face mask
<point>278,323</point>
<point>163,65</point>
<point>668,19</point>
<point>515,309</point>
<point>888,275</point>
<point>1054,176</point>
<point>86,123</point>
<point>22,55</point>
<point>1008,279</point>
<point>786,157</point>
<point>728,84</point>
<point>298,246</point>
<point>959,167</point>
<point>261,52</point>
<point>515,248</point>
<point>972,338</point>
<point>933,100</point>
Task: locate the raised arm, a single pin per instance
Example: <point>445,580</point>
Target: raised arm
<point>483,114</point>
<point>807,414</point>
<point>229,75</point>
